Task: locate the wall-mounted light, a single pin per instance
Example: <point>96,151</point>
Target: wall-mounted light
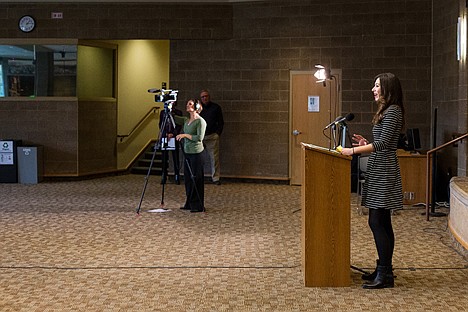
<point>322,74</point>
<point>461,38</point>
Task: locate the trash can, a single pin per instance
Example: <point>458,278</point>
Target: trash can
<point>9,161</point>
<point>30,164</point>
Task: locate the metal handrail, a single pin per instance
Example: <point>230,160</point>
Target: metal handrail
<point>428,168</point>
<point>153,110</point>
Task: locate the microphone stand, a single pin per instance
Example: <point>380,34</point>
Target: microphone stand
<point>343,133</point>
<point>333,135</point>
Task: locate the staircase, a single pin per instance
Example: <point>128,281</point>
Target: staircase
<point>141,166</point>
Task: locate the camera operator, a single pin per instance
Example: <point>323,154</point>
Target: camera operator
<point>193,134</point>
<point>170,132</point>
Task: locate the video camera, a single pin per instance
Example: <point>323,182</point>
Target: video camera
<point>167,96</point>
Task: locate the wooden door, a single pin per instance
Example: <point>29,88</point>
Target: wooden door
<point>313,106</point>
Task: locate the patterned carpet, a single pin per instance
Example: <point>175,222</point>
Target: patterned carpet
<point>80,246</point>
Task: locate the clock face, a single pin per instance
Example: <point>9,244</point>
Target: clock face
<point>27,23</point>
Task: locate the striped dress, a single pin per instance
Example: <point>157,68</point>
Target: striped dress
<point>382,188</point>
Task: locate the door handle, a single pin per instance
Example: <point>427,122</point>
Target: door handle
<point>296,132</point>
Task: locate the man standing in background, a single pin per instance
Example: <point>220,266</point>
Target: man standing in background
<point>213,116</point>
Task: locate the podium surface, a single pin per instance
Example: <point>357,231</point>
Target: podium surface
<point>326,217</point>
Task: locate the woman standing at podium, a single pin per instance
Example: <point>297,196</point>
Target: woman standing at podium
<point>382,190</point>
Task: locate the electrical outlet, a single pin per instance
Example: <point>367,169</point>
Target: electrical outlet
<point>408,195</point>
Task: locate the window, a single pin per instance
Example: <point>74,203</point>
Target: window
<point>2,84</point>
<point>38,70</point>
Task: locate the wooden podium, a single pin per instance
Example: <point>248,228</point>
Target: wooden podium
<point>326,217</point>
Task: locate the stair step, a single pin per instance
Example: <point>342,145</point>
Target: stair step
<point>149,155</point>
<point>144,170</point>
<point>146,162</point>
<point>141,166</point>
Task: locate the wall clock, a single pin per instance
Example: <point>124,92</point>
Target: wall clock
<point>26,23</point>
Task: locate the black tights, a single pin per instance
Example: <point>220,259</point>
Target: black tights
<point>380,222</point>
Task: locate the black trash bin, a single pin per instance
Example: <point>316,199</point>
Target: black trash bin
<point>9,161</point>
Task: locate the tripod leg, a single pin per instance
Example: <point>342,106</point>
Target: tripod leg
<point>175,160</point>
<point>146,180</point>
<point>164,176</point>
<point>165,159</point>
<point>162,197</point>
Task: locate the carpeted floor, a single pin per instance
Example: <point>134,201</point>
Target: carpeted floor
<point>80,246</point>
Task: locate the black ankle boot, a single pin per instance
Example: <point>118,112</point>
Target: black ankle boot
<point>371,276</point>
<point>383,278</point>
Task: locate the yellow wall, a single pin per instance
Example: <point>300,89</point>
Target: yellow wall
<point>94,72</point>
<point>142,65</point>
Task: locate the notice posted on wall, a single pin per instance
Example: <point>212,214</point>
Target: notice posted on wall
<point>6,153</point>
<point>313,104</point>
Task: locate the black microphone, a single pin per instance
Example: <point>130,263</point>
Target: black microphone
<point>339,120</point>
<point>155,90</point>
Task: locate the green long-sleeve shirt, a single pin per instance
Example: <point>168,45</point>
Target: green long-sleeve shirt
<point>196,129</point>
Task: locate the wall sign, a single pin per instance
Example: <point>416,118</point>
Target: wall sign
<point>313,103</point>
<point>6,153</point>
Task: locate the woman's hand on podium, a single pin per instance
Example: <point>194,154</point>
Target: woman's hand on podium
<point>345,151</point>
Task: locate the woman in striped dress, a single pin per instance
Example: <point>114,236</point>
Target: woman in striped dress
<point>382,190</point>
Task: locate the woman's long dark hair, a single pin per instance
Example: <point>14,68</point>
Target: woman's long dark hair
<point>390,94</point>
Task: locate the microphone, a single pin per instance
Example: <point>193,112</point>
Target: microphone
<point>339,120</point>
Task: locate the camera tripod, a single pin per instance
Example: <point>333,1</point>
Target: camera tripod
<point>161,144</point>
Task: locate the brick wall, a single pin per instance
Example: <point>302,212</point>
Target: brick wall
<point>119,20</point>
<point>78,136</point>
<point>50,123</point>
<point>249,74</point>
<point>243,52</point>
<point>449,93</point>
